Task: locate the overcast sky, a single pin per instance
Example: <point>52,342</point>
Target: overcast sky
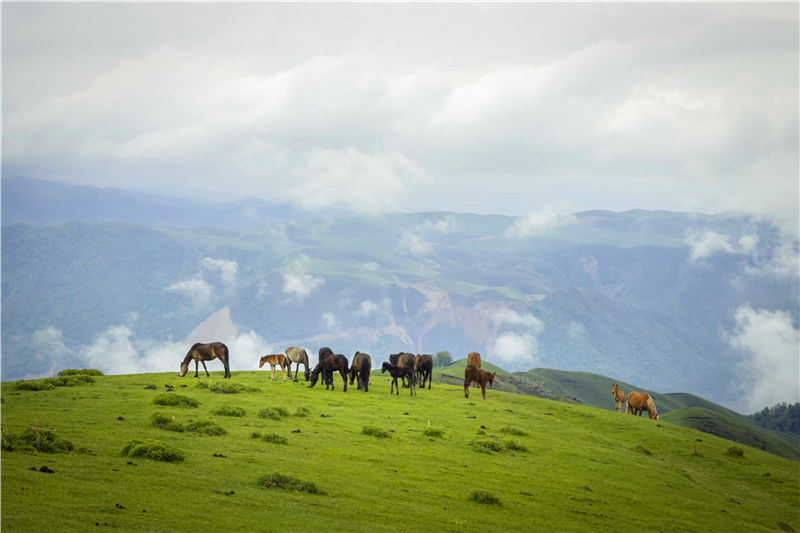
<point>486,108</point>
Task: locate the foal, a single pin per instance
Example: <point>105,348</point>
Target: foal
<point>277,359</point>
<point>400,372</point>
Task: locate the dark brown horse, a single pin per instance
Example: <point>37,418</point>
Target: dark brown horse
<point>276,359</point>
<point>423,366</point>
<point>619,398</point>
<point>401,372</point>
<point>206,352</point>
<point>329,365</point>
<point>476,375</point>
<point>640,401</point>
<point>360,368</point>
<point>402,359</point>
<point>474,359</point>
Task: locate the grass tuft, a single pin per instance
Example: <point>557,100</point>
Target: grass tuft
<point>206,427</point>
<point>35,439</point>
<point>225,387</point>
<point>511,430</point>
<point>430,432</point>
<point>80,372</point>
<point>227,410</point>
<point>515,445</point>
<point>486,446</point>
<point>152,449</point>
<point>375,432</point>
<point>175,400</point>
<point>486,498</point>
<point>164,421</point>
<point>734,451</point>
<point>284,482</point>
<point>51,383</point>
<point>302,412</point>
<point>273,413</point>
<point>641,449</point>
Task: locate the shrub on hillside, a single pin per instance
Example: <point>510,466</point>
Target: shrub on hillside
<point>284,482</point>
<point>206,427</point>
<point>175,400</point>
<point>511,430</point>
<point>515,445</point>
<point>225,387</point>
<point>302,412</point>
<point>375,432</point>
<point>486,446</point>
<point>163,421</point>
<point>734,451</point>
<point>227,410</point>
<point>81,371</point>
<point>35,439</point>
<point>486,498</point>
<point>273,413</point>
<point>154,450</point>
<point>430,432</point>
<point>51,383</point>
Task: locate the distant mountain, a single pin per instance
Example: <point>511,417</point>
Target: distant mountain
<point>648,297</point>
<point>50,203</point>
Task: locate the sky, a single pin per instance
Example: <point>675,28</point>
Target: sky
<point>509,108</point>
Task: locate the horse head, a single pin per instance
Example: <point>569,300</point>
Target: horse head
<point>184,368</point>
<point>491,378</point>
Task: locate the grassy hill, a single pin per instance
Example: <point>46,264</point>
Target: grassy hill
<point>371,462</point>
<point>594,390</point>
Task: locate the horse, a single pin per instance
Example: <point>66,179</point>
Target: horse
<point>323,353</point>
<point>401,372</point>
<point>402,359</point>
<point>481,377</point>
<point>276,359</point>
<point>474,359</point>
<point>619,399</point>
<point>298,356</point>
<point>640,401</point>
<point>329,365</point>
<point>360,369</point>
<point>206,352</point>
<point>423,366</point>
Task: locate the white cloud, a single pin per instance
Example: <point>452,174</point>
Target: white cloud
<point>517,346</point>
<point>537,223</point>
<point>330,321</point>
<point>413,244</point>
<point>226,269</point>
<point>770,369</point>
<point>296,282</point>
<point>368,308</point>
<point>372,266</point>
<point>448,224</point>
<point>197,290</point>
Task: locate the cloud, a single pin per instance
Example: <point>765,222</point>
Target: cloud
<point>296,282</point>
<point>518,346</point>
<point>769,371</point>
<point>537,223</point>
<point>330,321</point>
<point>226,269</point>
<point>413,244</point>
<point>197,290</point>
<point>368,308</point>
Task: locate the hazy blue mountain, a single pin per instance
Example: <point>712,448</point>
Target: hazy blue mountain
<point>618,294</point>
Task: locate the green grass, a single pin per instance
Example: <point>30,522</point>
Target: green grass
<point>552,466</point>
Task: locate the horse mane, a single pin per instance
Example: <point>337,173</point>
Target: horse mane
<point>651,408</point>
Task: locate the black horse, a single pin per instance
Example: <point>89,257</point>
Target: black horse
<point>360,369</point>
<point>401,372</point>
<point>402,359</point>
<point>329,365</point>
<point>423,366</point>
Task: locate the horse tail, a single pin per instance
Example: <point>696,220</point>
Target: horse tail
<point>363,373</point>
<point>226,360</point>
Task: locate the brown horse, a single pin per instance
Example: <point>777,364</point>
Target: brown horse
<point>329,365</point>
<point>474,359</point>
<point>403,360</point>
<point>276,359</point>
<point>201,353</point>
<point>423,366</point>
<point>360,368</point>
<point>481,377</point>
<point>640,401</point>
<point>619,399</point>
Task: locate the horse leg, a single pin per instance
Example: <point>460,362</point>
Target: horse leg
<point>206,369</point>
<point>466,388</point>
<point>344,378</point>
<point>483,390</point>
<point>196,367</point>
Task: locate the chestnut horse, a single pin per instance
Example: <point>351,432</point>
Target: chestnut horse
<point>640,401</point>
<point>474,359</point>
<point>619,399</point>
<point>201,353</point>
<point>276,359</point>
<point>360,368</point>
<point>481,377</point>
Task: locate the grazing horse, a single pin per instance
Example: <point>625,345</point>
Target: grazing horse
<point>276,359</point>
<point>401,372</point>
<point>360,369</point>
<point>329,365</point>
<point>640,401</point>
<point>619,399</point>
<point>423,366</point>
<point>402,359</point>
<point>474,359</point>
<point>206,352</point>
<point>298,356</point>
<point>481,377</point>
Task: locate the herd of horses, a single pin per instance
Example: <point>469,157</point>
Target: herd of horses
<point>404,368</point>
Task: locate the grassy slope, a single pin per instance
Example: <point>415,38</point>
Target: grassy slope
<point>582,470</point>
